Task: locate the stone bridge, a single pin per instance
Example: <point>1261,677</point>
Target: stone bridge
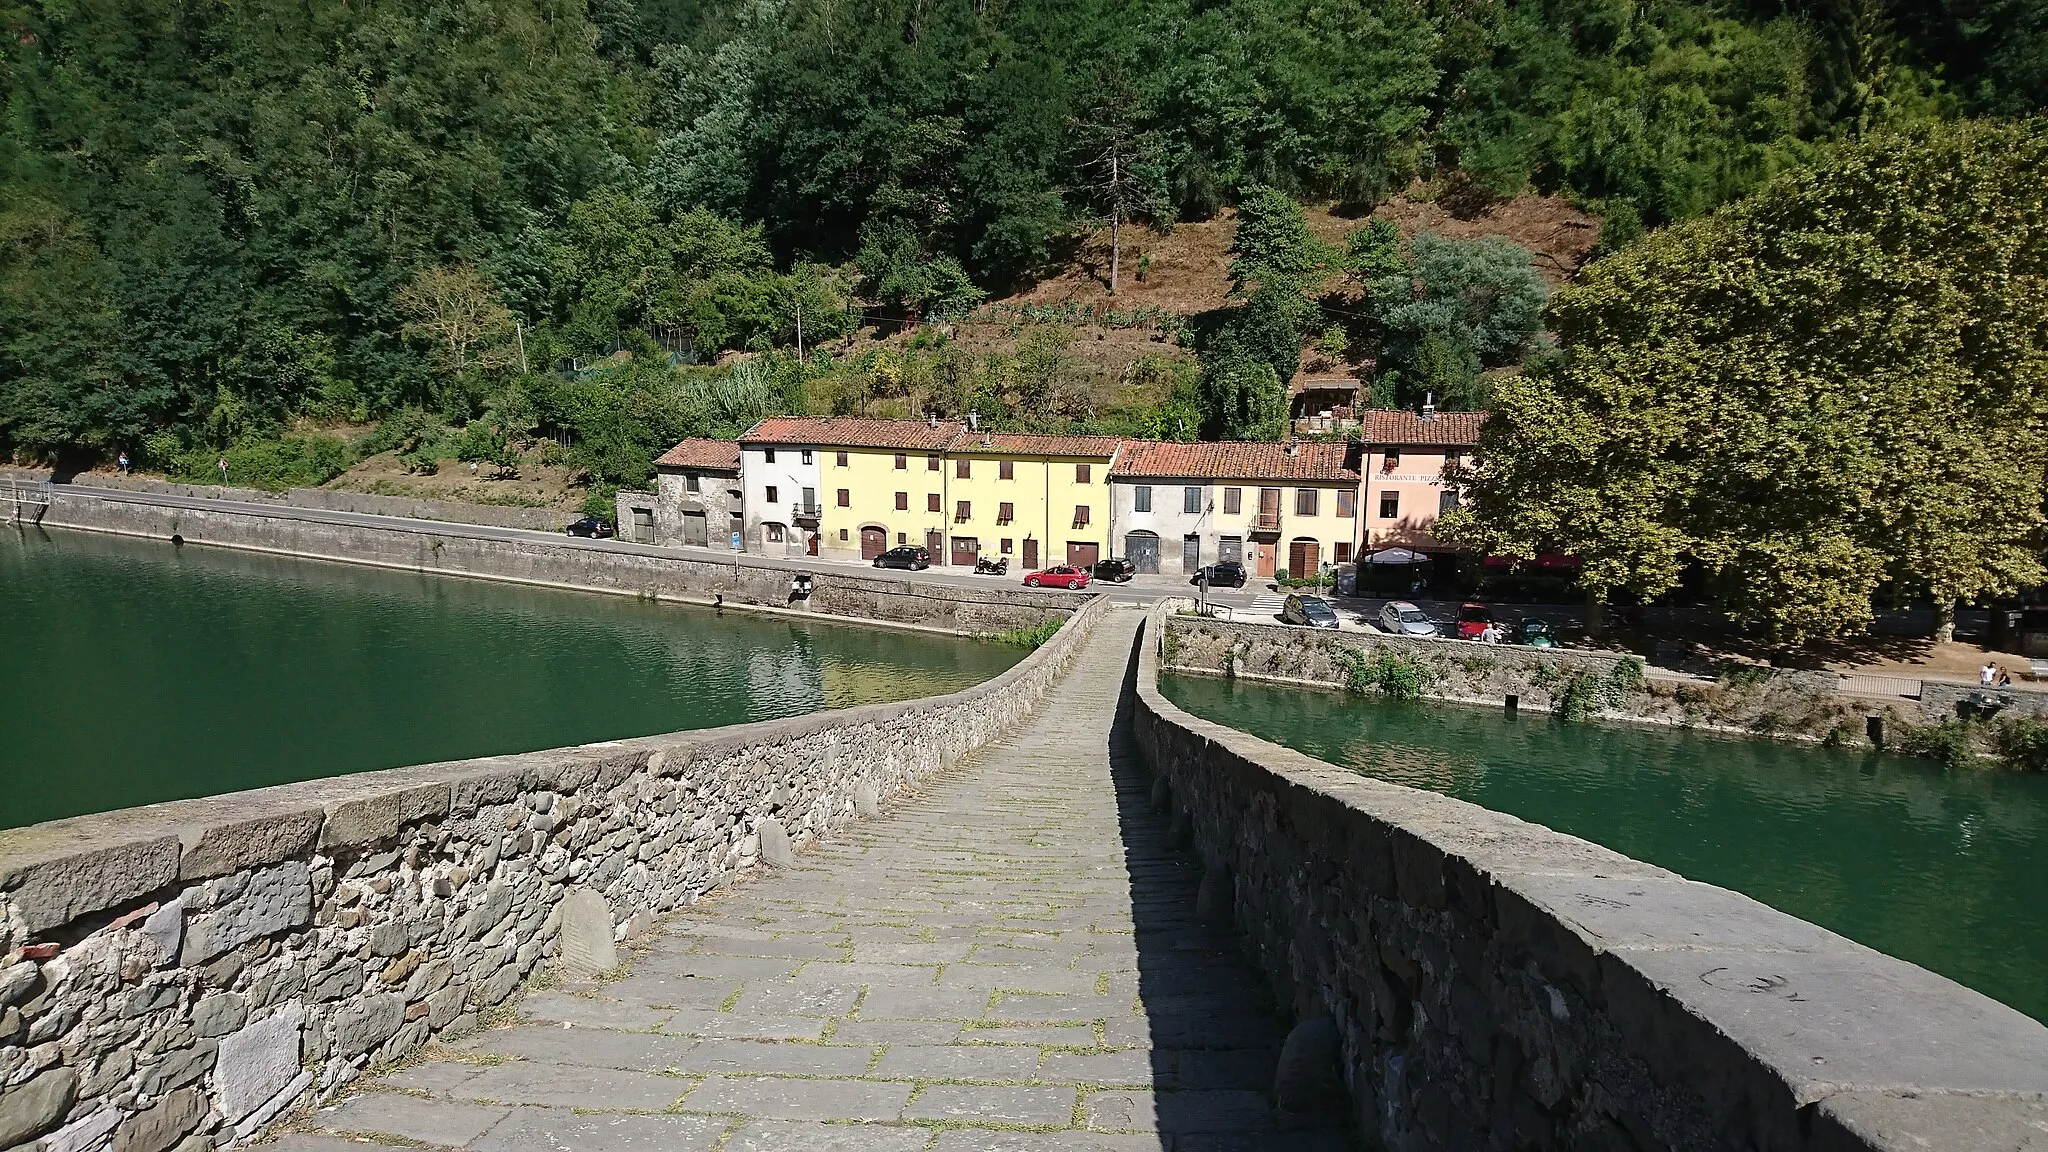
<point>1049,913</point>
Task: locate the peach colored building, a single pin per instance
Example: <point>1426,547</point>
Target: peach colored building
<point>1401,489</point>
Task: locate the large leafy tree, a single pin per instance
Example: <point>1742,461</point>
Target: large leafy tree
<point>1836,388</point>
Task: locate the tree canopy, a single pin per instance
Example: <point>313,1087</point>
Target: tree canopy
<point>1832,390</point>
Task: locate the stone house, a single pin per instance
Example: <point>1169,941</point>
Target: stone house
<point>1175,507</point>
<point>779,474</point>
<point>697,499</point>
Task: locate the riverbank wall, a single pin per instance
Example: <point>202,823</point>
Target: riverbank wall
<point>565,562</point>
<point>1570,681</point>
<point>175,977</point>
<point>1481,982</point>
<point>324,499</point>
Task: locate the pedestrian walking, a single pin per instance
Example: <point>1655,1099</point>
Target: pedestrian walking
<point>124,463</point>
<point>223,469</point>
<point>1987,675</point>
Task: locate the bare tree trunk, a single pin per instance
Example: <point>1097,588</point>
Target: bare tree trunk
<point>1596,614</point>
<point>1944,621</point>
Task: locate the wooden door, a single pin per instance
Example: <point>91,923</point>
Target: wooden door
<point>966,550</point>
<point>1262,558</point>
<point>1083,554</point>
<point>696,529</point>
<point>1190,553</point>
<point>935,543</point>
<point>873,542</point>
<point>1304,558</point>
<point>1142,550</point>
<point>1030,555</point>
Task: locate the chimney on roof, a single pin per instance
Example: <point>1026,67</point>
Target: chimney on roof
<point>1429,405</point>
<point>973,420</point>
<point>932,418</point>
<point>1293,446</point>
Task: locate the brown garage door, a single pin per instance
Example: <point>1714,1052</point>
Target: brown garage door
<point>873,542</point>
<point>1083,555</point>
<point>1303,558</point>
<point>966,550</point>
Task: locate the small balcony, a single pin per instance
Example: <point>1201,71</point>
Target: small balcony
<point>1266,522</point>
<point>805,514</point>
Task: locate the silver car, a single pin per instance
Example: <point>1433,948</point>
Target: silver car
<point>1405,619</point>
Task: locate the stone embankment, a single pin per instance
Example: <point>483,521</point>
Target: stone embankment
<point>331,500</point>
<point>175,976</point>
<point>1490,983</point>
<point>563,562</point>
<point>1583,683</point>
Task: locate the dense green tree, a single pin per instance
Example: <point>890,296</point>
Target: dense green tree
<point>1838,387</point>
<point>1457,307</point>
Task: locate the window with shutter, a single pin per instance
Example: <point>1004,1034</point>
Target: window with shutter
<point>1081,473</point>
<point>962,469</point>
<point>902,461</point>
<point>1347,503</point>
<point>845,497</point>
<point>962,511</point>
<point>1081,513</point>
<point>1007,470</point>
<point>1005,512</point>
<point>931,502</point>
<point>1233,501</point>
<point>1305,501</point>
<point>903,501</point>
<point>1141,498</point>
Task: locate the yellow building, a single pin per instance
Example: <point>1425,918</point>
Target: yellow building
<point>958,492</point>
<point>1040,500</point>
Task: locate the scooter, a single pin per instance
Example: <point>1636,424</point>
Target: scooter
<point>983,566</point>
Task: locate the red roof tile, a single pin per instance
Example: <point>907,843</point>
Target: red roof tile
<point>851,432</point>
<point>1237,460</point>
<point>1020,444</point>
<point>1452,429</point>
<point>722,455</point>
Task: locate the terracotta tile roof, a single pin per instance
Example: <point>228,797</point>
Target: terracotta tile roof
<point>1237,460</point>
<point>1452,429</point>
<point>722,455</point>
<point>851,432</point>
<point>1020,444</point>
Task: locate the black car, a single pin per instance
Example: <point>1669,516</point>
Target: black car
<point>908,556</point>
<point>1116,571</point>
<point>590,528</point>
<point>1225,574</point>
<point>1308,612</point>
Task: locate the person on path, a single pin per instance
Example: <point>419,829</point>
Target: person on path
<point>1987,675</point>
<point>124,463</point>
<point>223,469</point>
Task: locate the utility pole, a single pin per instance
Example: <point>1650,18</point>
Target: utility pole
<point>799,329</point>
<point>519,338</point>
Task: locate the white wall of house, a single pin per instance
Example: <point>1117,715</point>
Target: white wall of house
<point>775,479</point>
<point>1164,510</point>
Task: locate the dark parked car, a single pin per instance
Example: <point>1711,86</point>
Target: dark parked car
<point>1308,612</point>
<point>1058,576</point>
<point>1227,574</point>
<point>1115,570</point>
<point>908,556</point>
<point>590,528</point>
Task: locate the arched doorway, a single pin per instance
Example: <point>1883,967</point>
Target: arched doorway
<point>1304,557</point>
<point>1142,550</point>
<point>874,540</point>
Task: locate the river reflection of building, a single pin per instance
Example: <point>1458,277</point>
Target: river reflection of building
<point>1430,768</point>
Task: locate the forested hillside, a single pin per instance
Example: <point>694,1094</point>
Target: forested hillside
<point>217,218</point>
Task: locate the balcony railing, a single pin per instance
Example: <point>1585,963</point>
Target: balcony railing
<point>1266,522</point>
<point>798,513</point>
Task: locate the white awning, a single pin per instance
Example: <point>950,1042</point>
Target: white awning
<point>1396,556</point>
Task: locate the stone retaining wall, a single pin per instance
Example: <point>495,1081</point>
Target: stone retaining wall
<point>175,976</point>
<point>596,566</point>
<point>1789,703</point>
<point>1494,984</point>
<point>327,499</point>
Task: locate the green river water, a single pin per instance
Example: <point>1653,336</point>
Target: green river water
<point>1940,868</point>
<point>137,672</point>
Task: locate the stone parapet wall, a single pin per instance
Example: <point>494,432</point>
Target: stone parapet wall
<point>1494,984</point>
<point>596,566</point>
<point>176,976</point>
<point>325,499</point>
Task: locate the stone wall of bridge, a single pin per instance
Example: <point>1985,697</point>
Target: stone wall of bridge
<point>1489,983</point>
<point>177,976</point>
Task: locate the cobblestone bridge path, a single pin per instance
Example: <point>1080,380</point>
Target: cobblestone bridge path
<point>1007,960</point>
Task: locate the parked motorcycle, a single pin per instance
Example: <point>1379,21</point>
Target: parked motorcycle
<point>983,566</point>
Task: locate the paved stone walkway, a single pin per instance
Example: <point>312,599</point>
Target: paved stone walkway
<point>1006,962</point>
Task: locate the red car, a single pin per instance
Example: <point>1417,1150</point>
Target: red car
<point>1472,620</point>
<point>1059,576</point>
